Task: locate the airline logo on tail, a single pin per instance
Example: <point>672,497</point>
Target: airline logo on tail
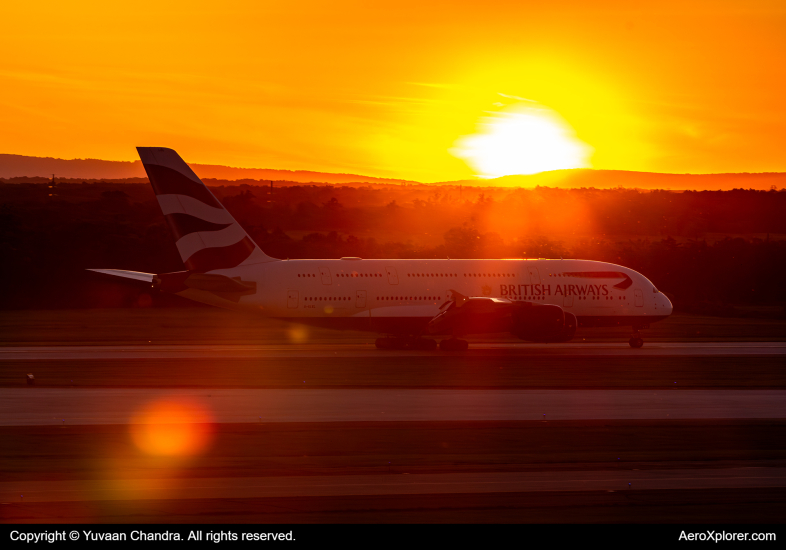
<point>208,237</point>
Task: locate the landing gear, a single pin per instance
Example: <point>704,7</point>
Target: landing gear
<point>636,341</point>
<point>453,344</point>
<point>426,344</point>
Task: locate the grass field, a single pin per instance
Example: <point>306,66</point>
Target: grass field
<point>87,453</point>
<point>677,507</point>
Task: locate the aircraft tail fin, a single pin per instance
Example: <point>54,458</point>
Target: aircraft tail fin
<point>208,237</point>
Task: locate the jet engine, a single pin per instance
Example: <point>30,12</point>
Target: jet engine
<point>542,323</point>
<point>525,320</point>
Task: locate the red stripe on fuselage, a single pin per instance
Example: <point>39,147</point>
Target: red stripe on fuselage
<point>594,274</point>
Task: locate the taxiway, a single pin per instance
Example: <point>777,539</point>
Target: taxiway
<point>659,349</point>
<point>81,406</point>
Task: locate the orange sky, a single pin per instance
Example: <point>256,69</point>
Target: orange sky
<point>388,88</point>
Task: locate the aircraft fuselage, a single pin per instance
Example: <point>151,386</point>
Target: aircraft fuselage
<point>401,296</point>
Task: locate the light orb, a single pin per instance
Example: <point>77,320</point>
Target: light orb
<point>525,138</point>
<point>175,427</point>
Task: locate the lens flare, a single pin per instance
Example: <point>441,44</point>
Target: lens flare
<point>298,335</point>
<point>174,427</point>
<point>525,138</point>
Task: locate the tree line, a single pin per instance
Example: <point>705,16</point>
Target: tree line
<point>710,250</point>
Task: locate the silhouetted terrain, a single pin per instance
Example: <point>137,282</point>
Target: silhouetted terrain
<point>611,179</point>
<point>16,166</point>
<point>24,168</point>
<point>711,250</point>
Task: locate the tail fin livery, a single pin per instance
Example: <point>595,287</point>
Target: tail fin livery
<point>208,237</point>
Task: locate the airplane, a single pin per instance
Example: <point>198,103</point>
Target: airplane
<point>406,301</point>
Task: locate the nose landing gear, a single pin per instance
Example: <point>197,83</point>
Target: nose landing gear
<point>636,341</point>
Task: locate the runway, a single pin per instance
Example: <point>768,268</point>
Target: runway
<point>85,406</point>
<point>471,436</point>
<point>393,484</point>
<point>622,349</point>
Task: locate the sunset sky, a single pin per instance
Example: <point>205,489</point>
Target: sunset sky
<point>412,89</point>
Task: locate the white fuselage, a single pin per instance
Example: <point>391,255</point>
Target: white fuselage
<point>347,293</point>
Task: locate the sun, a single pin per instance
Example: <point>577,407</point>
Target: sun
<point>524,138</point>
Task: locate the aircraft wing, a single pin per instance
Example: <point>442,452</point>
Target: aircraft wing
<point>135,275</point>
<point>183,280</point>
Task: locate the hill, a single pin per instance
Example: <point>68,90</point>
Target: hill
<point>16,166</point>
<point>613,179</point>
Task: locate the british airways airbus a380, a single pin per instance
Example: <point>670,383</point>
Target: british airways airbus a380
<point>405,300</point>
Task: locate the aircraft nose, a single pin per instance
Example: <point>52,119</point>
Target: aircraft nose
<point>666,304</point>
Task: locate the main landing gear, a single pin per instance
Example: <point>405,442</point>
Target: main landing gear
<point>636,341</point>
<point>426,344</point>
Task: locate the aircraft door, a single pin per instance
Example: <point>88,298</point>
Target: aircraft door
<point>292,298</point>
<point>568,301</point>
<point>361,299</point>
<point>534,276</point>
<point>638,297</point>
<point>392,275</point>
<point>325,273</point>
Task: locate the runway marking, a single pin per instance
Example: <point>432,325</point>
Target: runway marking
<point>85,406</point>
<point>32,353</point>
<point>386,484</point>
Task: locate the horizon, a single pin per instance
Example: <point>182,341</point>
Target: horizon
<point>479,180</point>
